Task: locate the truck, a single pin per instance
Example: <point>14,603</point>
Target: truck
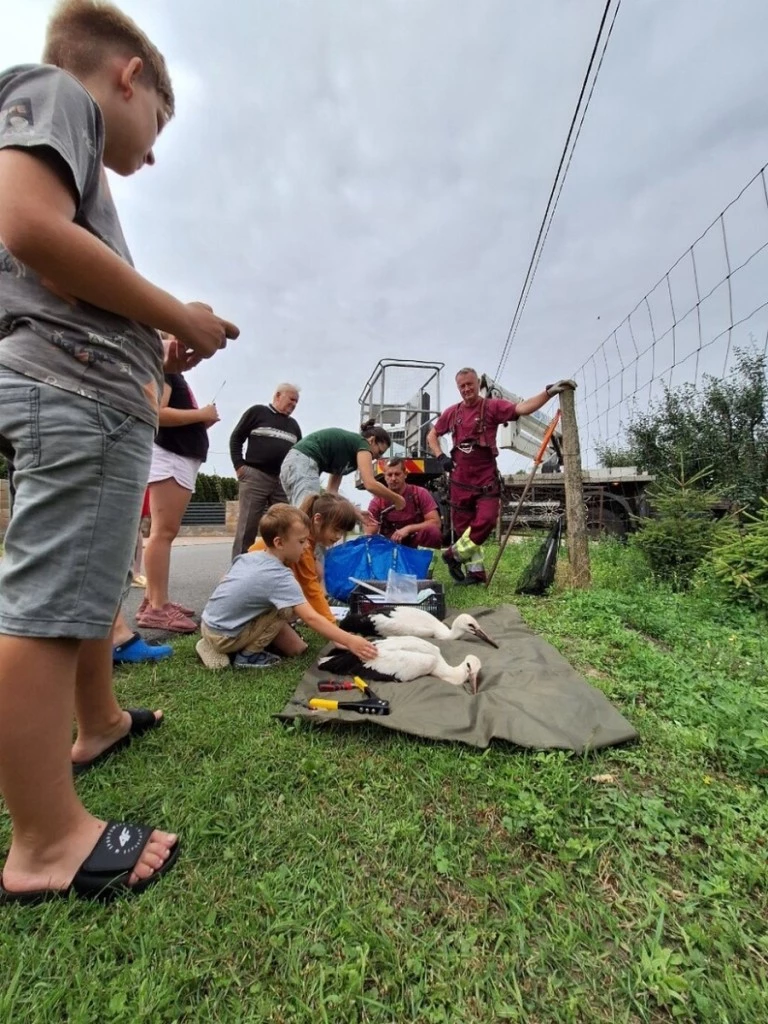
<point>406,397</point>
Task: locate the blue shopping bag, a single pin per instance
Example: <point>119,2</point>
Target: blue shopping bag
<point>370,558</point>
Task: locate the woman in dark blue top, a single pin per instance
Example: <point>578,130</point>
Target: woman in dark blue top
<point>181,447</point>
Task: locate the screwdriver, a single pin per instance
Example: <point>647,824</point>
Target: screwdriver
<point>356,683</point>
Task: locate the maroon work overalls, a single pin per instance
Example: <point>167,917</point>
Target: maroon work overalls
<point>475,489</point>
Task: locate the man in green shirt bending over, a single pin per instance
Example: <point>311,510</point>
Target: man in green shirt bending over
<point>336,452</point>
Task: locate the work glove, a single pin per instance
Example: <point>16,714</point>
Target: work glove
<point>446,462</point>
<point>559,386</point>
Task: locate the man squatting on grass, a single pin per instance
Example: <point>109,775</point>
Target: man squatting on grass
<point>81,373</point>
<point>475,487</point>
<point>417,525</point>
<point>254,604</point>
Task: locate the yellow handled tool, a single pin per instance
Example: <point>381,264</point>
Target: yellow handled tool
<point>320,704</point>
<point>372,706</point>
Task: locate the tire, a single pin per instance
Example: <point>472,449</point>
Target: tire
<point>611,524</point>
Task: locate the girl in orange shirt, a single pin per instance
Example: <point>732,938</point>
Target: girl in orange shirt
<point>331,517</point>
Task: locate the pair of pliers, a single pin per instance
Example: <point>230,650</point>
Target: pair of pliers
<point>362,707</point>
<point>371,705</point>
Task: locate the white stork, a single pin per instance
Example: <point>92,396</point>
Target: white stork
<point>401,659</point>
<point>401,621</point>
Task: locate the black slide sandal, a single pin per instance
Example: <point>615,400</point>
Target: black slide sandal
<point>142,720</point>
<point>105,871</point>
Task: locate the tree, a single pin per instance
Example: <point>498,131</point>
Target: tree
<point>613,458</point>
<point>718,433</point>
<point>214,488</point>
<point>740,560</point>
<point>677,539</point>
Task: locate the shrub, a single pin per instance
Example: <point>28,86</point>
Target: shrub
<point>682,531</point>
<point>740,559</point>
<point>723,422</point>
<point>215,488</point>
<point>619,566</point>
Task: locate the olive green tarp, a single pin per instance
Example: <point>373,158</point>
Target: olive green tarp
<point>528,695</point>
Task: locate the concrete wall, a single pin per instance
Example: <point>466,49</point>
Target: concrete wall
<point>231,517</point>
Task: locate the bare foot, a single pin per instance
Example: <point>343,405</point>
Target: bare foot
<point>54,867</point>
<point>86,748</point>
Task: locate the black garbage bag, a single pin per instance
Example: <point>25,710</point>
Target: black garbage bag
<point>540,574</point>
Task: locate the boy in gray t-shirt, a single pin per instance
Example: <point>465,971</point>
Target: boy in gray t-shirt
<point>255,602</point>
<point>80,376</point>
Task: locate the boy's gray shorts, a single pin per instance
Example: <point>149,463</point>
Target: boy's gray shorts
<point>80,472</point>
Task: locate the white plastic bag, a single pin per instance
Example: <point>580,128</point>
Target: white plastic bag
<point>402,588</point>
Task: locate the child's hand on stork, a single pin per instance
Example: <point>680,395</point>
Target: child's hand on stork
<point>362,648</point>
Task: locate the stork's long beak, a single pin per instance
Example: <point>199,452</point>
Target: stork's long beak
<point>482,635</point>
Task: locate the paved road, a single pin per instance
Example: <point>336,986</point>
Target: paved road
<point>196,568</point>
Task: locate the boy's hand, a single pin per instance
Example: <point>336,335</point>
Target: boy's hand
<point>177,358</point>
<point>362,648</point>
<point>203,331</point>
<point>399,502</point>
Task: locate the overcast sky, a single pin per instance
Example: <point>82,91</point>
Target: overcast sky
<point>355,180</point>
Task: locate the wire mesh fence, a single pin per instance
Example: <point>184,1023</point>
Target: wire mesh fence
<point>403,395</point>
<point>711,302</point>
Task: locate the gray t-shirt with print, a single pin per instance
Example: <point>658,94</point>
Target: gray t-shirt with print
<point>256,583</point>
<point>44,333</point>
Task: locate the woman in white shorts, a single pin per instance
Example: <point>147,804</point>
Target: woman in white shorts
<point>180,448</point>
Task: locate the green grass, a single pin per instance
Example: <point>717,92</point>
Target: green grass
<point>361,876</point>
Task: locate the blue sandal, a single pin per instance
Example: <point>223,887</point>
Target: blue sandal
<point>137,651</point>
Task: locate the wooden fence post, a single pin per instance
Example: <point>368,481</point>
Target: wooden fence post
<point>575,512</point>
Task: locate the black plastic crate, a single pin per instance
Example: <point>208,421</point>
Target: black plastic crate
<point>360,602</point>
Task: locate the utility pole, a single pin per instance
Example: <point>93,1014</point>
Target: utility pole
<point>575,512</point>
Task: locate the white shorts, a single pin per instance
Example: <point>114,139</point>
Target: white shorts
<point>169,466</point>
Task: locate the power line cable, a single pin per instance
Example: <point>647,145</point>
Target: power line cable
<point>559,180</point>
<point>505,354</point>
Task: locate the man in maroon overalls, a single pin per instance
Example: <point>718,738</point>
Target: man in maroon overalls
<point>418,524</point>
<point>475,489</point>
